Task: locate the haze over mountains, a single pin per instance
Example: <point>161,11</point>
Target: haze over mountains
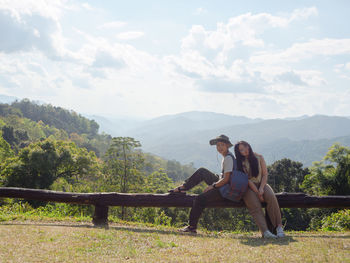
<point>185,136</point>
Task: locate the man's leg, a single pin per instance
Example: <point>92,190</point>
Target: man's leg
<point>200,202</point>
<point>200,175</point>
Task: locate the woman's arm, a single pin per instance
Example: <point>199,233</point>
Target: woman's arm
<point>253,186</point>
<point>255,190</point>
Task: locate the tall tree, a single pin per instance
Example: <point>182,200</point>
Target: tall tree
<point>123,163</point>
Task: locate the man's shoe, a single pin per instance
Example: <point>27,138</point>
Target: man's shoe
<point>189,229</point>
<point>178,190</point>
<point>268,234</point>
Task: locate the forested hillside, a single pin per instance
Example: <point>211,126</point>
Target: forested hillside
<point>25,123</point>
<point>47,147</point>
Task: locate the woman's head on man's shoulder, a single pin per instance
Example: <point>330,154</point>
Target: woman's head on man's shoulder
<point>243,149</point>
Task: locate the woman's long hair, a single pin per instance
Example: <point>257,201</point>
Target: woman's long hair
<point>253,161</point>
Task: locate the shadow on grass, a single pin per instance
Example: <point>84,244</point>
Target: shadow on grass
<point>333,235</point>
<point>245,238</point>
<point>136,229</point>
<point>46,224</point>
<point>258,241</point>
<point>113,227</point>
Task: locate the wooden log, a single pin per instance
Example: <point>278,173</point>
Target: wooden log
<point>285,200</point>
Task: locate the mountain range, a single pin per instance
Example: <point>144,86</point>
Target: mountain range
<point>185,136</point>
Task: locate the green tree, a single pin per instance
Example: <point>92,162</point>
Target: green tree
<point>158,182</point>
<point>41,163</point>
<point>124,163</point>
<point>330,176</point>
<point>286,175</point>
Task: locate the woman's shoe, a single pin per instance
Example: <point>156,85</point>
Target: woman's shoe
<point>179,190</point>
<point>268,234</point>
<point>280,232</point>
<point>189,229</point>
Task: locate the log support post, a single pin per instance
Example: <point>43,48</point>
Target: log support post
<point>100,218</point>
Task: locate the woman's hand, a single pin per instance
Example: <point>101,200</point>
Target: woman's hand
<point>208,188</point>
<point>261,191</point>
<point>261,198</point>
<point>261,194</point>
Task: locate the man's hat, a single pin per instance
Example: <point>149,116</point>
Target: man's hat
<point>221,138</point>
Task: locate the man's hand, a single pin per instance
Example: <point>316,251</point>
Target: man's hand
<point>208,188</point>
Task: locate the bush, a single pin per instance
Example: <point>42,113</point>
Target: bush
<point>339,221</point>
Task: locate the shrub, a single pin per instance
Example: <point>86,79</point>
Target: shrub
<point>339,221</point>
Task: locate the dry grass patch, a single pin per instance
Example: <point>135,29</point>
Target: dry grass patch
<point>72,242</point>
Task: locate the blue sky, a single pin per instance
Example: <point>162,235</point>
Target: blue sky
<point>143,59</point>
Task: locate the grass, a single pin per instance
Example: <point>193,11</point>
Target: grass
<point>71,241</point>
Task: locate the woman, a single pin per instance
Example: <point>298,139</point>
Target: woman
<point>211,193</point>
<point>258,191</point>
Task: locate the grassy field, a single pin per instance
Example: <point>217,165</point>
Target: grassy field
<point>67,241</point>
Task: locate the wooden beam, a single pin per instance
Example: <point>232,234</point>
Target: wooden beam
<point>285,200</point>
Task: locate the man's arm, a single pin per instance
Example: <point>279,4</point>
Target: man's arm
<point>220,183</point>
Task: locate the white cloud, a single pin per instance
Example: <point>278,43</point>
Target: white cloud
<point>105,59</point>
<point>305,50</point>
<point>113,25</point>
<point>347,66</point>
<point>200,11</point>
<point>243,29</point>
<point>233,64</point>
<point>342,70</point>
<point>215,53</point>
<point>27,26</point>
<point>87,6</point>
<point>130,35</point>
<point>303,13</point>
<point>211,57</point>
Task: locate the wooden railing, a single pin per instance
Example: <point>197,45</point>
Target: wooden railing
<point>102,201</point>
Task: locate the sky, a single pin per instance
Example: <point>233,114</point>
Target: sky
<point>144,59</point>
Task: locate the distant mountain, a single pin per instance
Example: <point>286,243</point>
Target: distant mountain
<point>183,124</point>
<point>115,126</point>
<point>191,121</point>
<point>202,118</point>
<point>305,151</point>
<point>296,118</point>
<point>185,137</point>
<point>181,138</point>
